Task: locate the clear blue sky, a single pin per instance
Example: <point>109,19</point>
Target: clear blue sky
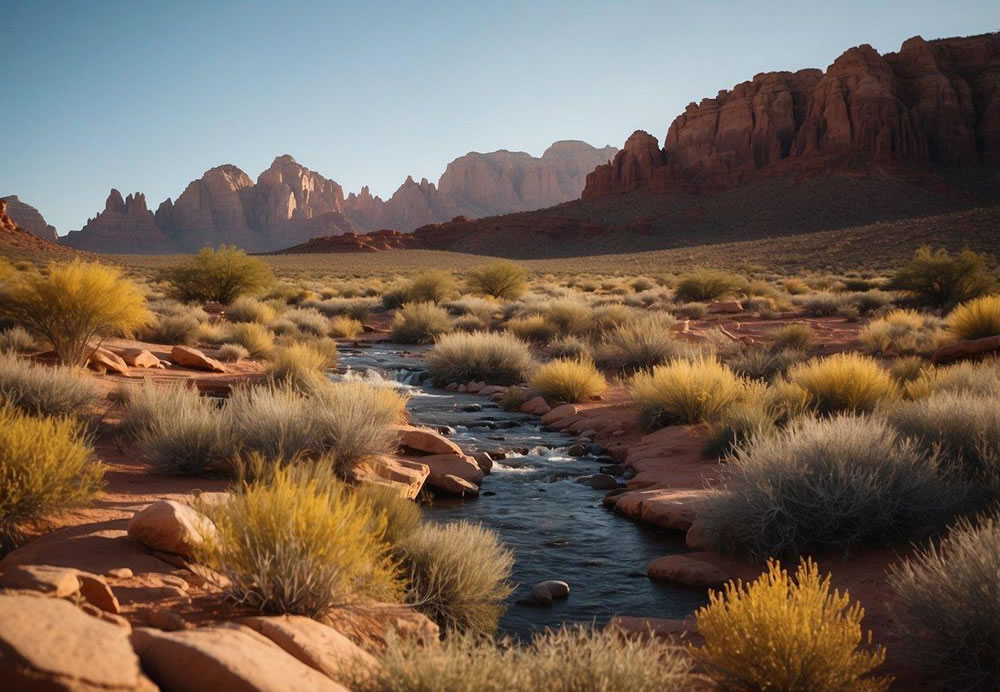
<point>144,95</point>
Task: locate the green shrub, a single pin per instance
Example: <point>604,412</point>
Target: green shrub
<point>46,466</point>
<point>221,275</point>
<point>797,336</point>
<point>232,353</point>
<point>976,319</point>
<point>937,278</point>
<point>246,309</point>
<point>708,284</point>
<point>737,425</point>
<point>492,358</point>
<point>300,543</point>
<point>257,339</point>
<point>193,439</point>
<point>16,340</point>
<point>73,304</point>
<point>947,606</point>
<point>964,427</point>
<point>433,286</point>
<point>777,495</point>
<point>416,323</point>
<point>685,391</point>
<point>568,381</point>
<point>870,301</point>
<point>501,280</point>
<point>783,633</point>
<point>45,391</point>
<point>563,660</point>
<point>181,329</point>
<point>844,382</point>
<point>457,575</point>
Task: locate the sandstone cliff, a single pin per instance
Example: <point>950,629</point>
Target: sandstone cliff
<point>288,204</point>
<point>29,218</point>
<point>933,103</point>
<point>14,237</point>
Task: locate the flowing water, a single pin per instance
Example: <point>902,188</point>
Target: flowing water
<point>557,528</point>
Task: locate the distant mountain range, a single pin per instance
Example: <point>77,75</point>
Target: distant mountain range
<point>290,204</point>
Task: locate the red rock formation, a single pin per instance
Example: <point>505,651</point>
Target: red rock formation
<point>375,241</point>
<point>29,218</point>
<point>125,226</point>
<point>933,102</point>
<point>15,237</point>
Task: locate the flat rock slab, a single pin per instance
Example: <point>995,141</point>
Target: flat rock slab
<point>402,475</point>
<point>194,359</point>
<point>61,582</point>
<point>139,358</point>
<point>223,659</point>
<point>425,440</point>
<point>104,360</point>
<point>666,508</point>
<point>460,465</point>
<point>687,571</point>
<point>48,643</point>
<point>315,644</point>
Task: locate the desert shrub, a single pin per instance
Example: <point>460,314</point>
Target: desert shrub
<point>515,397</point>
<point>761,305</point>
<point>844,382</point>
<point>232,353</point>
<point>75,303</point>
<point>784,633</point>
<point>641,344</point>
<point>213,332</point>
<point>168,307</point>
<point>737,425</point>
<point>568,381</point>
<point>964,427</point>
<point>641,283</point>
<point>976,319</point>
<point>354,419</point>
<point>16,340</point>
<point>247,309</point>
<point>947,606</point>
<point>396,296</point>
<point>796,336</point>
<point>692,311</point>
<point>763,363</point>
<point>343,327</point>
<point>708,284</point>
<point>482,308</point>
<point>531,328</point>
<point>310,321</point>
<point>45,391</point>
<point>416,323</point>
<point>569,347</point>
<point>870,301</point>
<point>178,329</point>
<point>146,404</point>
<point>902,332</point>
<point>939,279</point>
<point>907,369</point>
<point>569,659</point>
<point>257,339</point>
<point>776,497</point>
<point>46,465</point>
<point>300,543</point>
<point>276,422</point>
<point>795,287</point>
<point>501,280</point>
<point>685,391</point>
<point>821,304</point>
<point>492,358</point>
<point>607,317</point>
<point>402,516</point>
<point>357,308</point>
<point>569,316</point>
<point>469,323</point>
<point>973,378</point>
<point>301,365</point>
<point>457,575</point>
<point>221,275</point>
<point>432,286</point>
<point>192,439</point>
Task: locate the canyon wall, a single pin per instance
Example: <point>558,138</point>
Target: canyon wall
<point>29,218</point>
<point>934,102</point>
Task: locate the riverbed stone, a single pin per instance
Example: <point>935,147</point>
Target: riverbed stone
<point>577,450</point>
<point>559,412</point>
<point>536,407</point>
<point>425,440</point>
<point>545,592</point>
<point>484,460</point>
<point>460,465</point>
<point>405,476</point>
<point>687,571</point>
<point>600,481</point>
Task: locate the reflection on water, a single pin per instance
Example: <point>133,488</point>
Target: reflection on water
<point>556,527</point>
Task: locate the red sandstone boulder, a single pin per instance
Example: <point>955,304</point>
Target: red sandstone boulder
<point>970,348</point>
<point>687,571</point>
<point>189,357</point>
<point>171,527</point>
<point>104,360</point>
<point>425,440</point>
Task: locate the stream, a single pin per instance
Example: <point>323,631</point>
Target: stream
<point>557,528</point>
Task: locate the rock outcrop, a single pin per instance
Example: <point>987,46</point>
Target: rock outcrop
<point>14,236</point>
<point>29,218</point>
<point>290,204</point>
<point>933,102</point>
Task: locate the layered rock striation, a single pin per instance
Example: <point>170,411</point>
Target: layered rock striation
<point>29,218</point>
<point>934,103</point>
